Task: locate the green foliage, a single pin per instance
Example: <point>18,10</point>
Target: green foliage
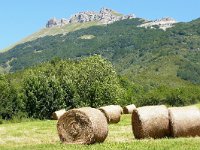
<point>43,95</point>
<point>60,84</point>
<point>173,97</point>
<point>97,82</point>
<point>190,72</point>
<point>9,102</point>
<point>143,95</point>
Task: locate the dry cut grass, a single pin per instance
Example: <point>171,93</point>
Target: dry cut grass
<point>43,135</point>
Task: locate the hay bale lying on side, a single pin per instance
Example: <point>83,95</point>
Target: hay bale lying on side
<point>129,109</point>
<point>119,107</point>
<point>184,121</point>
<point>82,126</point>
<point>57,114</point>
<point>150,122</point>
<point>112,113</point>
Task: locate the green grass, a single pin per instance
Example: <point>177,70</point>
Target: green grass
<point>61,30</point>
<point>198,105</point>
<point>117,14</point>
<point>43,135</point>
<point>1,69</point>
<point>87,37</point>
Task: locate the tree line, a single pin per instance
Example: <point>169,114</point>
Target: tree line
<point>38,91</point>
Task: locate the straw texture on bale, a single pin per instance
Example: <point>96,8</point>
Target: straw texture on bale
<point>82,126</point>
<point>120,108</point>
<point>129,109</point>
<point>112,113</point>
<point>150,122</point>
<point>57,114</point>
<point>184,121</point>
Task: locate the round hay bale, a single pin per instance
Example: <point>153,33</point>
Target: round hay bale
<point>57,114</point>
<point>119,107</point>
<point>112,113</point>
<point>150,122</point>
<point>184,121</point>
<point>82,126</point>
<point>129,109</point>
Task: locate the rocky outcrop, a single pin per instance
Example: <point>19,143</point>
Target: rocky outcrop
<point>108,16</point>
<point>84,17</point>
<point>52,22</point>
<point>56,22</point>
<point>105,16</point>
<point>163,23</point>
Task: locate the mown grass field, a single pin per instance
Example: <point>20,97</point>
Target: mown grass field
<point>198,105</point>
<point>35,135</point>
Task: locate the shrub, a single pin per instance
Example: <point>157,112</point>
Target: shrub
<point>9,102</point>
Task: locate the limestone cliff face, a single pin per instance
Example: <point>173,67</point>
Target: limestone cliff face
<point>105,16</point>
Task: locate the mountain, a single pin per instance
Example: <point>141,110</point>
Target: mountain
<point>159,52</point>
<point>105,16</point>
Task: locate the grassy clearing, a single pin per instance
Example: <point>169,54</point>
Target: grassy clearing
<point>61,30</point>
<point>2,70</point>
<point>43,135</point>
<point>198,105</point>
<point>87,37</point>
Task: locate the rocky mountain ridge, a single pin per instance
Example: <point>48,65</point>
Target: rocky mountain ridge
<point>108,16</point>
<point>105,16</point>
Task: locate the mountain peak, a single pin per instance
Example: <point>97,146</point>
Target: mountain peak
<point>104,16</point>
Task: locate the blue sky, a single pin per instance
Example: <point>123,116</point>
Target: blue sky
<point>20,18</point>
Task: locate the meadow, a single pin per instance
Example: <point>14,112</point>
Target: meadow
<point>38,134</point>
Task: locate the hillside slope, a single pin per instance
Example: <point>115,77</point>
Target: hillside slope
<point>53,31</point>
<point>146,55</point>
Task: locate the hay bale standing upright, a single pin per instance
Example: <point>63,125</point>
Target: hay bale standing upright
<point>150,122</point>
<point>112,113</point>
<point>129,109</point>
<point>57,114</point>
<point>184,121</point>
<point>82,126</point>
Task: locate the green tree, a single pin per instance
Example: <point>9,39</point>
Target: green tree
<point>43,96</point>
<point>90,82</point>
<point>97,82</point>
<point>9,102</point>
